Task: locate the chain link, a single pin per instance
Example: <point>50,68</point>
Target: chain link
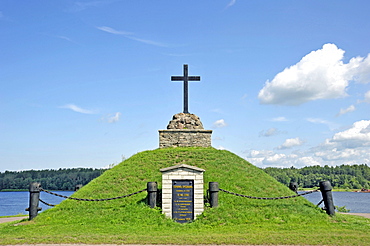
<point>48,204</point>
<point>93,200</point>
<point>320,203</point>
<point>268,198</point>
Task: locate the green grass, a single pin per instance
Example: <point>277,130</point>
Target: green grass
<point>237,220</point>
<point>17,215</point>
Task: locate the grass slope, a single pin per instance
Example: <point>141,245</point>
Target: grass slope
<point>237,220</point>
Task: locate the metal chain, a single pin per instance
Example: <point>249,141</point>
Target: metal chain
<point>320,203</point>
<point>269,198</point>
<point>48,204</point>
<point>94,200</point>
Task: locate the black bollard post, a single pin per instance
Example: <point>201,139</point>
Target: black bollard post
<point>152,193</point>
<point>33,208</point>
<point>294,187</point>
<point>213,194</point>
<point>325,188</point>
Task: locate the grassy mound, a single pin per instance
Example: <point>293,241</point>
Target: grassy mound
<point>237,220</point>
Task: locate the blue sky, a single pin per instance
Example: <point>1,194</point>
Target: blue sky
<point>85,83</point>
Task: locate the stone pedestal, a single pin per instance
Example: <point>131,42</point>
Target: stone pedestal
<point>185,138</point>
<point>185,130</point>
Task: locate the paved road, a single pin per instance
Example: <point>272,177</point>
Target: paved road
<point>3,220</point>
<point>367,215</point>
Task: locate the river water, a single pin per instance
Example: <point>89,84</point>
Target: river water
<point>356,202</point>
<point>12,203</point>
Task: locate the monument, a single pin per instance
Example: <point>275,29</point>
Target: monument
<point>185,129</point>
<point>182,192</point>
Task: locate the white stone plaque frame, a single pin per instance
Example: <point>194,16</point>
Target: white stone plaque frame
<point>182,172</point>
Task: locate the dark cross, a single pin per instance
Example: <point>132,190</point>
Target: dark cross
<point>186,79</point>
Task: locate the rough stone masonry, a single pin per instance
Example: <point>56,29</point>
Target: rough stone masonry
<point>185,130</point>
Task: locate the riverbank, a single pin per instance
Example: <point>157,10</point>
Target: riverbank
<point>336,190</point>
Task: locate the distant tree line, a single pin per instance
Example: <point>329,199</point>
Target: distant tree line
<point>343,177</point>
<point>61,179</point>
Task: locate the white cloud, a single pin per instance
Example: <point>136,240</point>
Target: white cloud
<point>357,136</point>
<point>219,123</point>
<point>111,118</point>
<point>146,41</point>
<point>319,75</point>
<point>267,158</point>
<point>113,31</point>
<point>130,36</point>
<point>346,110</point>
<point>114,118</point>
<point>218,138</point>
<point>231,3</point>
<point>350,146</point>
<point>78,109</point>
<point>366,98</point>
<point>359,69</point>
<point>279,119</point>
<point>269,132</point>
<point>290,143</point>
<point>80,6</point>
<point>331,125</point>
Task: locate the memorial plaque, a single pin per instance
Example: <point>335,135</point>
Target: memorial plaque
<point>183,200</point>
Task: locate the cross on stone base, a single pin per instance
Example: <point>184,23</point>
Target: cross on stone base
<point>186,78</point>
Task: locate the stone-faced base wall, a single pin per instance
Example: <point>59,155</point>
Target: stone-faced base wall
<point>185,138</point>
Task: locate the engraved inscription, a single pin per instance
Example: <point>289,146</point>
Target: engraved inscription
<point>183,200</point>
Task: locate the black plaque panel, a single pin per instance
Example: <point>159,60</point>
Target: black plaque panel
<point>183,200</point>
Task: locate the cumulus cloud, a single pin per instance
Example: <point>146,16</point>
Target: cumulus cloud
<point>357,136</point>
<point>290,143</point>
<point>219,123</point>
<point>319,75</point>
<point>77,109</point>
<point>346,110</point>
<point>359,69</point>
<point>265,158</point>
<point>350,146</point>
